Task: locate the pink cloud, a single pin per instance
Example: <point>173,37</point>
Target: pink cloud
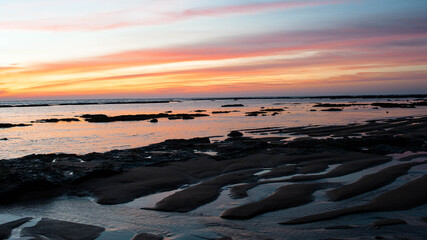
<point>381,46</point>
<point>118,19</point>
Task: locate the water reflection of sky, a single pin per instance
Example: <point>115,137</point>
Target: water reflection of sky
<point>82,137</point>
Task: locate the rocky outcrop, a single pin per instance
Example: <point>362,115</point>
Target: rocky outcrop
<point>55,229</point>
<point>233,105</point>
<point>146,236</point>
<point>9,125</point>
<point>6,228</point>
<point>102,118</point>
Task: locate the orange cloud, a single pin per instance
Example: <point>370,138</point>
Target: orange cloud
<point>270,62</point>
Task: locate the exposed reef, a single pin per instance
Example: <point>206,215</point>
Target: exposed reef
<point>55,120</point>
<point>233,105</point>
<point>198,171</point>
<point>9,125</point>
<point>54,229</point>
<point>102,118</point>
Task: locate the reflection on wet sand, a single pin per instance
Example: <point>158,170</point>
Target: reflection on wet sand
<point>317,186</point>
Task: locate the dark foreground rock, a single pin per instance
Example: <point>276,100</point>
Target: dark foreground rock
<point>370,182</point>
<point>339,227</point>
<point>388,222</point>
<point>285,197</point>
<point>235,134</point>
<point>55,229</point>
<point>345,168</point>
<point>406,197</point>
<point>198,195</point>
<point>146,236</point>
<point>6,228</point>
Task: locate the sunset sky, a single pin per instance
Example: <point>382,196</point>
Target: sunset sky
<point>54,49</point>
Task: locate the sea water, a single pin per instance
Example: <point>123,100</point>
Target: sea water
<point>83,137</point>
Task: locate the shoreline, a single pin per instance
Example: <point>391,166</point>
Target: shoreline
<point>79,129</point>
<point>201,169</point>
<point>169,100</point>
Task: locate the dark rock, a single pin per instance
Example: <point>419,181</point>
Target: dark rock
<point>9,125</point>
<point>203,193</point>
<point>313,110</point>
<point>177,143</point>
<point>422,103</point>
<point>55,120</point>
<point>332,110</point>
<point>6,228</point>
<point>55,229</point>
<point>394,105</point>
<point>335,105</point>
<point>3,139</point>
<point>225,238</point>
<point>284,197</point>
<point>199,111</point>
<point>339,227</point>
<point>99,118</point>
<point>405,197</point>
<point>134,102</point>
<point>154,120</point>
<point>95,117</point>
<point>388,222</point>
<point>219,112</point>
<point>233,105</point>
<point>255,113</point>
<point>146,236</point>
<point>174,117</point>
<point>273,109</point>
<point>28,105</point>
<point>235,134</point>
<point>85,103</point>
<point>187,117</point>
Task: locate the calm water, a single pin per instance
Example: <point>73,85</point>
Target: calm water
<point>83,137</point>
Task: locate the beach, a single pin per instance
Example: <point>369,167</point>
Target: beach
<point>349,179</point>
<point>213,120</point>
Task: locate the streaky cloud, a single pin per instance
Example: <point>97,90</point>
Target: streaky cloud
<point>117,19</point>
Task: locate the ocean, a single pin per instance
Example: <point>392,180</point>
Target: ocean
<point>83,137</point>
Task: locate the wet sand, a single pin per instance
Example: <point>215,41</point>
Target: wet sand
<point>285,197</point>
<point>406,197</point>
<point>298,168</point>
<point>370,182</point>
